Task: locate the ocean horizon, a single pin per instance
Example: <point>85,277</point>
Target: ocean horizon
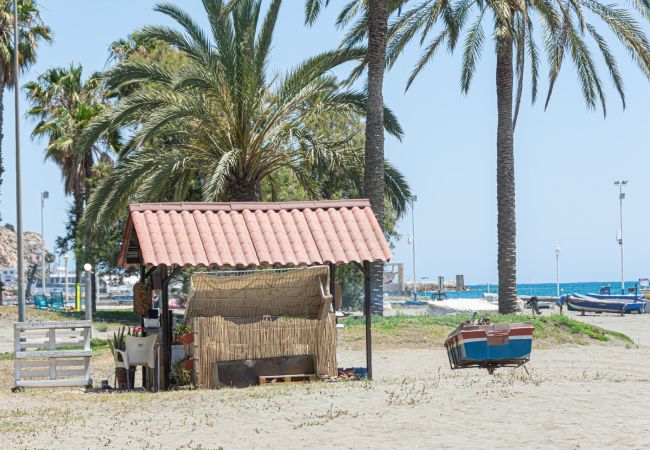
<point>544,289</point>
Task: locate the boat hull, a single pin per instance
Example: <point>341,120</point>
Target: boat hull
<point>490,346</point>
<point>592,304</point>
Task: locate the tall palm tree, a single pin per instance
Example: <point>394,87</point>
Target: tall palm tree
<point>220,122</point>
<point>373,25</point>
<point>32,31</point>
<point>63,104</point>
<point>567,25</point>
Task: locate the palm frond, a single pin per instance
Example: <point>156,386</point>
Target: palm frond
<point>472,52</point>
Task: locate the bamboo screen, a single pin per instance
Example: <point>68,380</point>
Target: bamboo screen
<point>220,339</point>
<point>302,292</point>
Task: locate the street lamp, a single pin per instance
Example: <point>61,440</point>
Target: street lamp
<point>621,196</point>
<point>89,309</point>
<point>557,269</point>
<point>411,238</point>
<point>65,263</point>
<point>19,192</point>
<point>44,195</point>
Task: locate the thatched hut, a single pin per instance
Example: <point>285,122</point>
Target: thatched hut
<point>162,238</point>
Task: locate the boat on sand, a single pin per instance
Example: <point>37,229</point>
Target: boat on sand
<point>620,304</point>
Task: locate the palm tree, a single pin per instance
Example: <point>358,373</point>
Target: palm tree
<point>374,25</point>
<point>220,124</point>
<point>31,32</point>
<point>567,25</point>
<point>64,104</point>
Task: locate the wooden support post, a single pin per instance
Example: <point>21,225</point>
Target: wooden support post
<point>333,285</point>
<point>368,314</point>
<point>165,328</point>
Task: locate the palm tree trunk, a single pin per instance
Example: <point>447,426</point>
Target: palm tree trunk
<point>506,222</point>
<point>243,191</point>
<point>373,180</point>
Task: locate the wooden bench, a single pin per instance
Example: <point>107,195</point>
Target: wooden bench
<point>51,354</point>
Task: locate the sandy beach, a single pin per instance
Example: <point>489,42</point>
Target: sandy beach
<point>592,396</point>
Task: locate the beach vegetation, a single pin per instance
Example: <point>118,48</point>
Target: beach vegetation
<point>571,30</point>
<point>62,104</point>
<point>417,331</point>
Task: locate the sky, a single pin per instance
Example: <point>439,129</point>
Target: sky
<point>567,157</point>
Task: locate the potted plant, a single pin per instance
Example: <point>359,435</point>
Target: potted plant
<point>117,342</point>
<point>184,333</point>
<point>181,376</point>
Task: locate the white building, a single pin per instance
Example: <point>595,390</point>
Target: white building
<point>8,276</point>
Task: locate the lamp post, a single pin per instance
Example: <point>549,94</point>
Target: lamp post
<point>44,195</point>
<point>557,269</point>
<point>89,309</point>
<point>65,263</point>
<point>411,239</point>
<point>621,196</point>
<point>19,193</point>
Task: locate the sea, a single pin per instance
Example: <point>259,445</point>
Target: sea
<point>544,289</point>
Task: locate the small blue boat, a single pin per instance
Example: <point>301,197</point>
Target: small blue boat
<point>621,304</point>
<point>485,345</point>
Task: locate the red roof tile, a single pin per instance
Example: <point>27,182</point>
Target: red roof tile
<point>245,234</point>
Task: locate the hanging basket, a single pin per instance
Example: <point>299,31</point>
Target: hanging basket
<point>142,296</point>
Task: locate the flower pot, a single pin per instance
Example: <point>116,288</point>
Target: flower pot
<point>120,376</point>
<point>186,338</point>
<point>189,364</point>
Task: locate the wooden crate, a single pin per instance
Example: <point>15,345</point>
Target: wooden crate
<point>298,378</point>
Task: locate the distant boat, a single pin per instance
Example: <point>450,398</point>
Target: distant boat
<point>620,304</point>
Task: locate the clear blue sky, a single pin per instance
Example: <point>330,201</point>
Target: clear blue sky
<point>566,157</point>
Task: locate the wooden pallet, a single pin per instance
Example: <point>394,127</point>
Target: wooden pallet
<point>298,378</point>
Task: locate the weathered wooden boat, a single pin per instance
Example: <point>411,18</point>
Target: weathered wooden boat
<point>610,304</point>
<point>478,343</point>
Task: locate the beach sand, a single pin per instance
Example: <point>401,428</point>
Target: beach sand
<point>588,397</point>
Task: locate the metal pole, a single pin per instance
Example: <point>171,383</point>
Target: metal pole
<point>19,193</point>
<point>557,273</point>
<point>621,196</point>
<point>368,313</point>
<point>43,280</point>
<point>413,200</point>
<point>88,305</point>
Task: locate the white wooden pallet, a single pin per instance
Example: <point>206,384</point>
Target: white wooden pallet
<point>40,360</point>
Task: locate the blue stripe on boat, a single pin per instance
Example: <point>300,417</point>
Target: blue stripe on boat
<point>480,351</point>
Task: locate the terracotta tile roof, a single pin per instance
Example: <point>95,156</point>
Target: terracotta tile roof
<point>247,234</point>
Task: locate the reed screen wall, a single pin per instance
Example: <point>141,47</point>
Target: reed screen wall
<point>226,339</point>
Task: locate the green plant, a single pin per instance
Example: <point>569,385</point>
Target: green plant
<point>116,342</point>
<point>183,328</point>
<point>182,376</point>
<point>101,327</point>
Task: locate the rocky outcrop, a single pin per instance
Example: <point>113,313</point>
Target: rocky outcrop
<point>8,247</point>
